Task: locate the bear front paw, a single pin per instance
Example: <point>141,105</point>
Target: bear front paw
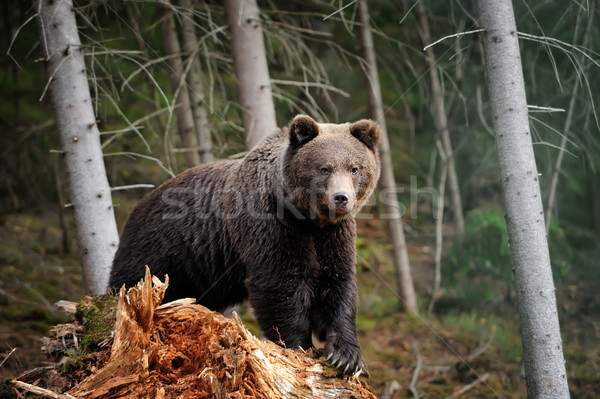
<point>344,355</point>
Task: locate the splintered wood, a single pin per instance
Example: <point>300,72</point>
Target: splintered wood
<point>183,350</point>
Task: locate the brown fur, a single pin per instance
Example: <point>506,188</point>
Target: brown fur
<point>276,228</point>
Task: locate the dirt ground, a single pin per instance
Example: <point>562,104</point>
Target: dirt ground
<point>462,354</point>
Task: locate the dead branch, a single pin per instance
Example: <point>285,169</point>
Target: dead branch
<point>391,387</point>
<point>481,350</point>
<point>7,356</point>
<point>46,393</point>
<point>67,307</point>
<point>413,381</point>
<point>470,386</point>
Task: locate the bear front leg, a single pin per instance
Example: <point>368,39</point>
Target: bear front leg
<point>334,311</point>
<point>280,278</point>
<point>283,315</point>
<point>341,343</point>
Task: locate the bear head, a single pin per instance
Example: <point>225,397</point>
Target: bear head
<point>330,170</point>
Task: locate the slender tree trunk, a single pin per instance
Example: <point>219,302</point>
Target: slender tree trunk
<point>251,70</point>
<point>183,111</point>
<point>91,198</point>
<point>439,237</point>
<point>540,331</point>
<point>441,121</point>
<point>387,181</point>
<point>194,79</point>
<point>561,153</point>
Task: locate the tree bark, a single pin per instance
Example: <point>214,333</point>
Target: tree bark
<point>183,111</point>
<point>540,331</point>
<point>251,70</point>
<point>194,79</point>
<point>441,121</point>
<point>387,181</point>
<point>91,198</point>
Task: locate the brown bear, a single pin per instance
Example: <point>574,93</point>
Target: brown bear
<point>276,227</point>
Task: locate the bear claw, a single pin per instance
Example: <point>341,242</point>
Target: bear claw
<point>347,360</point>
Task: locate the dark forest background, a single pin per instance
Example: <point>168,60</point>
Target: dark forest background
<point>315,65</point>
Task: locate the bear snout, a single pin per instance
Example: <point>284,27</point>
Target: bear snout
<point>340,195</point>
<point>340,199</point>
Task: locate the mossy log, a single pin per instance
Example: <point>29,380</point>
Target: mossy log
<point>181,349</point>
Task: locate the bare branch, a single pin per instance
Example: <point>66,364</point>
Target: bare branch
<point>340,10</point>
<point>129,187</point>
<point>15,37</point>
<point>470,386</point>
<point>7,356</point>
<point>453,35</point>
<point>481,350</point>
<point>41,391</point>
<point>133,155</point>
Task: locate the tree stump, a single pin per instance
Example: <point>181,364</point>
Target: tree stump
<point>181,349</point>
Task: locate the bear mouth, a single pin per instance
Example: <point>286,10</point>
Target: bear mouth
<point>333,213</point>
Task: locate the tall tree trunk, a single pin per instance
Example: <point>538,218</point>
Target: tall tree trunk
<point>439,236</point>
<point>441,121</point>
<point>251,70</point>
<point>540,331</point>
<point>91,198</point>
<point>183,111</point>
<point>194,79</point>
<point>387,181</point>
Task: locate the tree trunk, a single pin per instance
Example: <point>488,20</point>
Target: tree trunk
<point>439,236</point>
<point>540,331</point>
<point>183,111</point>
<point>194,79</point>
<point>251,70</point>
<point>91,198</point>
<point>387,181</point>
<point>441,122</point>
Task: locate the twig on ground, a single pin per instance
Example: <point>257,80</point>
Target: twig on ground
<point>391,387</point>
<point>7,356</point>
<point>67,307</point>
<point>413,381</point>
<point>41,391</point>
<point>35,370</point>
<point>470,386</point>
<point>481,350</point>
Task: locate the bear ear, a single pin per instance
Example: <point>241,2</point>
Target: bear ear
<point>302,130</point>
<point>368,132</point>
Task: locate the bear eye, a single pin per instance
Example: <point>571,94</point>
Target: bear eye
<point>324,171</point>
<point>354,170</point>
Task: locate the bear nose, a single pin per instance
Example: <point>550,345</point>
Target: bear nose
<point>341,199</point>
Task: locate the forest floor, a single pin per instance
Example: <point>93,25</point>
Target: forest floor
<point>457,352</point>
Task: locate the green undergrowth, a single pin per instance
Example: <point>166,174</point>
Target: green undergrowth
<point>98,315</point>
